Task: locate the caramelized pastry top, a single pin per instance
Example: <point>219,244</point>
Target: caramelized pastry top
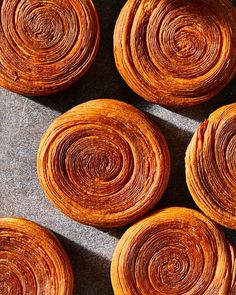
<point>32,261</point>
<point>211,166</point>
<point>103,163</point>
<point>176,53</point>
<point>173,251</point>
<point>46,45</point>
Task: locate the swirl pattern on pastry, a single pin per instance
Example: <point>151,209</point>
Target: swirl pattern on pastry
<point>173,251</point>
<point>233,272</point>
<point>46,45</point>
<point>103,163</point>
<point>32,261</point>
<point>211,166</point>
<point>176,53</point>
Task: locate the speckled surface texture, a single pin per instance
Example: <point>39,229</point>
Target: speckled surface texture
<point>23,120</point>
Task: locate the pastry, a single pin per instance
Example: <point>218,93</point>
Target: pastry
<point>176,52</point>
<point>173,251</point>
<point>32,261</point>
<point>211,166</point>
<point>103,163</point>
<point>233,272</point>
<point>46,45</point>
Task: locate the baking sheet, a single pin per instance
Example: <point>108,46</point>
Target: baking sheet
<point>23,120</point>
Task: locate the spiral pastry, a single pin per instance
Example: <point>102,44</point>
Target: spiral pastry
<point>173,251</point>
<point>176,52</point>
<point>233,272</point>
<point>46,45</point>
<point>32,261</point>
<point>211,166</point>
<point>103,163</point>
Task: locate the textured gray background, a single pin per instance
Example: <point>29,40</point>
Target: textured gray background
<point>23,120</point>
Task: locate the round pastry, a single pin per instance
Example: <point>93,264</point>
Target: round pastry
<point>173,251</point>
<point>176,53</point>
<point>211,166</point>
<point>46,45</point>
<point>103,163</point>
<point>32,261</point>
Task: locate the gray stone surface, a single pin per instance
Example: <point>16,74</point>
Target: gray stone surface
<point>23,120</point>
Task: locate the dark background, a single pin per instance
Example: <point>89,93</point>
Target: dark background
<point>23,120</point>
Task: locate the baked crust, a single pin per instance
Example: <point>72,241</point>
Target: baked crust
<point>176,53</point>
<point>103,163</point>
<point>172,251</point>
<point>46,45</point>
<point>210,166</point>
<point>32,261</point>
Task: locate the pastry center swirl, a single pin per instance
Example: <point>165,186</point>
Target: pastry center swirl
<point>44,29</point>
<point>104,161</point>
<point>9,280</point>
<point>182,43</point>
<point>100,166</point>
<point>32,260</point>
<point>185,42</point>
<point>93,163</point>
<point>176,52</point>
<point>173,251</point>
<point>97,160</point>
<point>46,45</point>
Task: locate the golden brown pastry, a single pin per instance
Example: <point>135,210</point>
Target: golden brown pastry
<point>173,251</point>
<point>32,261</point>
<point>211,166</point>
<point>46,45</point>
<point>176,52</point>
<point>233,272</point>
<point>103,163</point>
